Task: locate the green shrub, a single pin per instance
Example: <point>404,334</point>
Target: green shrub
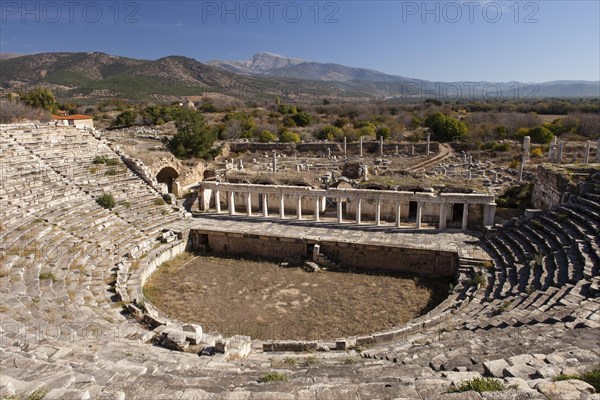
<point>592,377</point>
<point>536,223</point>
<point>480,385</point>
<point>159,201</point>
<point>273,377</point>
<point>502,307</point>
<point>100,160</point>
<point>266,137</point>
<point>44,276</point>
<point>112,161</point>
<point>107,200</point>
<point>329,132</point>
<point>291,361</point>
<point>37,394</point>
<point>500,147</point>
<point>112,171</point>
<point>167,198</point>
<point>289,137</point>
<point>312,360</point>
<point>518,196</point>
<point>565,377</point>
<point>540,135</point>
<point>302,119</point>
<point>477,280</point>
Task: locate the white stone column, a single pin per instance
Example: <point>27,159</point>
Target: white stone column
<point>358,210</point>
<point>265,205</point>
<point>299,208</point>
<point>598,151</point>
<point>218,201</point>
<point>442,224</point>
<point>521,169</point>
<point>249,204</point>
<point>378,213</point>
<point>465,218</point>
<point>281,207</point>
<point>231,202</point>
<point>560,153</point>
<point>317,208</point>
<point>551,153</point>
<point>586,157</point>
<point>398,214</point>
<point>345,148</point>
<point>361,146</point>
<point>419,214</point>
<point>380,146</point>
<point>489,214</point>
<point>204,196</point>
<point>428,142</point>
<point>340,217</point>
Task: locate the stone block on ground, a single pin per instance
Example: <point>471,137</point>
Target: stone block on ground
<point>571,389</point>
<point>193,333</point>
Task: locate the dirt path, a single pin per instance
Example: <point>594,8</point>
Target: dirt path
<point>266,301</point>
<point>445,152</point>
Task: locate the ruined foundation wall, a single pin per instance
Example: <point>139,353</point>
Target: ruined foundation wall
<point>415,261</point>
<point>549,187</point>
<point>397,259</point>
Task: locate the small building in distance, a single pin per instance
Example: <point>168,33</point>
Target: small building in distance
<point>76,120</point>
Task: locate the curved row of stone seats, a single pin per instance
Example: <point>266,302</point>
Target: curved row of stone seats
<point>423,370</point>
<point>60,253</point>
<point>63,333</point>
<point>70,152</point>
<point>544,270</point>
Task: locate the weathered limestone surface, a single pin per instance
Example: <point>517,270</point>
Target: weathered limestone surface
<point>67,264</point>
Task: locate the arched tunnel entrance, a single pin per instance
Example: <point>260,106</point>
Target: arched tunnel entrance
<point>167,175</point>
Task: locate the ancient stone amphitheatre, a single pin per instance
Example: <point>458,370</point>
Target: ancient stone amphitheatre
<point>524,307</point>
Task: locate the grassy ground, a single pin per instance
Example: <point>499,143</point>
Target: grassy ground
<point>265,301</point>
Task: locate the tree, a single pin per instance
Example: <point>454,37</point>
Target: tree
<point>40,97</point>
<point>445,128</point>
<point>329,132</point>
<point>383,131</point>
<point>125,119</point>
<point>248,126</point>
<point>540,135</point>
<point>193,138</point>
<point>302,118</point>
<point>289,137</point>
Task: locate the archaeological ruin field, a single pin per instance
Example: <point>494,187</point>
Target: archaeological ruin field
<point>406,285</point>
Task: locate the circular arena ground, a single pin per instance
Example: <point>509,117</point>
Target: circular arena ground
<point>265,301</point>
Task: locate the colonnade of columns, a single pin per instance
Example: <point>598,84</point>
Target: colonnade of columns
<point>356,196</point>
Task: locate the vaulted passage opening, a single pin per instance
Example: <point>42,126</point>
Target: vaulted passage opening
<point>167,175</point>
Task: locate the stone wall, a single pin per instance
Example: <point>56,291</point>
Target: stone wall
<point>376,257</point>
<point>397,259</point>
<point>336,148</point>
<point>550,186</point>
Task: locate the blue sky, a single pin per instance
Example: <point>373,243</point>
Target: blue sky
<point>437,40</point>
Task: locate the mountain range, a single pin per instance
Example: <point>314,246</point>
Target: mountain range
<point>265,76</point>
